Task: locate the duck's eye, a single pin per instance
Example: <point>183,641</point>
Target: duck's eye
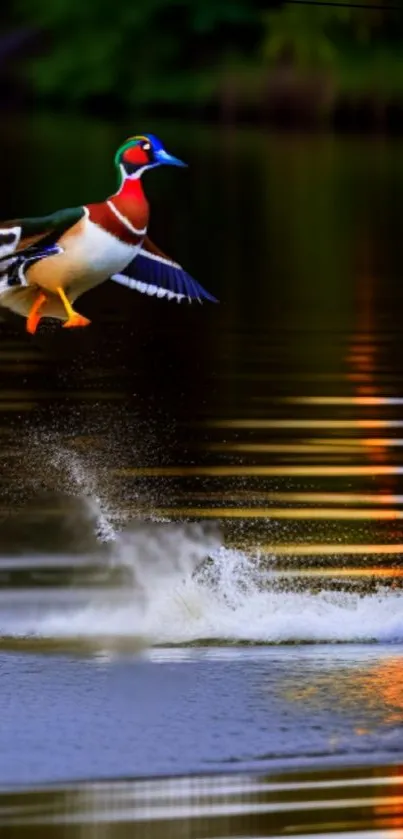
<point>146,146</point>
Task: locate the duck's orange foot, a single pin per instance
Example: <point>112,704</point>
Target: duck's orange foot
<point>76,320</point>
<point>32,323</point>
<point>34,316</point>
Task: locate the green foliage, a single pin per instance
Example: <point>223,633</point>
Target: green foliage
<point>129,50</point>
<point>145,52</point>
<point>303,34</point>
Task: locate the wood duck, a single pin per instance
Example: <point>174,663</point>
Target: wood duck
<point>47,262</point>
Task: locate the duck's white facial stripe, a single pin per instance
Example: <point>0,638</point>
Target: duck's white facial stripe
<point>138,173</point>
<point>125,221</point>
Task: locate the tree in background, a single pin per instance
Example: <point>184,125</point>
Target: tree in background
<point>207,52</point>
<point>133,52</point>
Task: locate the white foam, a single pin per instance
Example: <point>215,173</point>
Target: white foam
<point>176,597</point>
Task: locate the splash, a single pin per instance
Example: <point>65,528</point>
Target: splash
<point>184,587</point>
<point>64,471</point>
<point>85,483</point>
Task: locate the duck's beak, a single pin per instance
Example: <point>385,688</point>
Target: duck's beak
<point>161,156</point>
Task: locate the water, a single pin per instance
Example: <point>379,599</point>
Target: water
<point>167,713</point>
<point>201,506</point>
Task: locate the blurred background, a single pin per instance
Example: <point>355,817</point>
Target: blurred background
<point>295,63</point>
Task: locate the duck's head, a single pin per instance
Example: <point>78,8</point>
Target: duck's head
<point>140,153</point>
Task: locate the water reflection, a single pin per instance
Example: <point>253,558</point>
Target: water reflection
<point>384,684</point>
<point>345,803</point>
<point>379,685</point>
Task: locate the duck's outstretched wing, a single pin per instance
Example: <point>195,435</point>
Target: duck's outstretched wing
<point>153,273</point>
<point>23,240</point>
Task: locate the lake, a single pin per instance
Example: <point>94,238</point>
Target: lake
<point>201,623</point>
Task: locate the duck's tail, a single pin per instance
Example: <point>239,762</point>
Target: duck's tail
<point>16,293</point>
<point>10,259</point>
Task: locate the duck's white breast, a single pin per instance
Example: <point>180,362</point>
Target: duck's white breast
<point>95,251</point>
<point>101,251</point>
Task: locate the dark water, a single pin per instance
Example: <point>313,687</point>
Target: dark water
<point>191,495</point>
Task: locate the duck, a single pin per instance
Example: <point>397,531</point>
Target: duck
<point>46,263</point>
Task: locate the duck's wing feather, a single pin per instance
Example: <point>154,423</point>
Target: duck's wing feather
<point>152,272</point>
<point>26,240</point>
<point>19,235</point>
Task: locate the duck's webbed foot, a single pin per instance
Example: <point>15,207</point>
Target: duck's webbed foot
<point>34,317</point>
<point>73,318</point>
<point>76,320</point>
